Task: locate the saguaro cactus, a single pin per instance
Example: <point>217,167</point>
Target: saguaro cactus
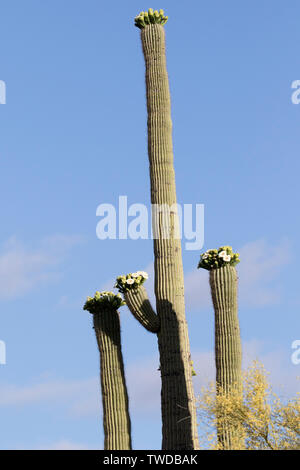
<point>228,354</point>
<point>116,420</point>
<point>179,425</point>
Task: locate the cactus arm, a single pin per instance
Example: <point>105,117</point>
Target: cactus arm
<point>138,303</point>
<point>179,425</point>
<point>116,418</point>
<point>136,298</point>
<point>228,352</point>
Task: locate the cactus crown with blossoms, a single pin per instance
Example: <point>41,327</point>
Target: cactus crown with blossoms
<point>151,17</point>
<point>103,300</point>
<point>213,259</point>
<point>130,281</point>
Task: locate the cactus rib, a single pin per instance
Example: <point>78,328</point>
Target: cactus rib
<point>228,353</point>
<point>116,418</point>
<point>140,306</point>
<point>177,396</point>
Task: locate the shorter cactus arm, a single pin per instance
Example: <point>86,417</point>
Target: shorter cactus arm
<point>140,307</point>
<point>223,279</point>
<point>136,298</point>
<point>116,418</point>
<point>228,353</point>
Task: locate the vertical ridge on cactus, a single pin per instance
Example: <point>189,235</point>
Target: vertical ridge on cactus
<point>179,424</point>
<point>228,351</point>
<point>116,418</point>
<point>138,303</point>
<point>223,282</point>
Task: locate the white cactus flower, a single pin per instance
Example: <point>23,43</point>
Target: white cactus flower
<point>143,274</point>
<point>129,281</point>
<point>222,254</point>
<point>227,258</point>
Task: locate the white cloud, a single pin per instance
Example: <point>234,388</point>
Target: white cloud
<point>24,268</point>
<point>65,392</point>
<point>82,398</point>
<point>259,272</point>
<point>61,444</point>
<point>259,276</point>
<point>197,292</point>
<point>64,444</point>
<point>143,384</point>
<point>282,373</point>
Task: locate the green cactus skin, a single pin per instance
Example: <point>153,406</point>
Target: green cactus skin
<point>116,418</point>
<point>179,425</point>
<point>140,306</point>
<point>228,351</point>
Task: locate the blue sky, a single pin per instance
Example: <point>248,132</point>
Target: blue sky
<point>73,136</point>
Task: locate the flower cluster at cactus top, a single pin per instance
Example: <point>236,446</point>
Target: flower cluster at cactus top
<point>130,281</point>
<point>213,259</point>
<point>150,17</point>
<point>103,300</point>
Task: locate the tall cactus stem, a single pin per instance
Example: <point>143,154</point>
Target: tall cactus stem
<point>179,424</point>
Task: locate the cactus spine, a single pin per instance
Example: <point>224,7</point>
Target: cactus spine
<point>116,419</point>
<point>177,395</point>
<point>228,353</point>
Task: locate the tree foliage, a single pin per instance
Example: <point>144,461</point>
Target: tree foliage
<point>264,420</point>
